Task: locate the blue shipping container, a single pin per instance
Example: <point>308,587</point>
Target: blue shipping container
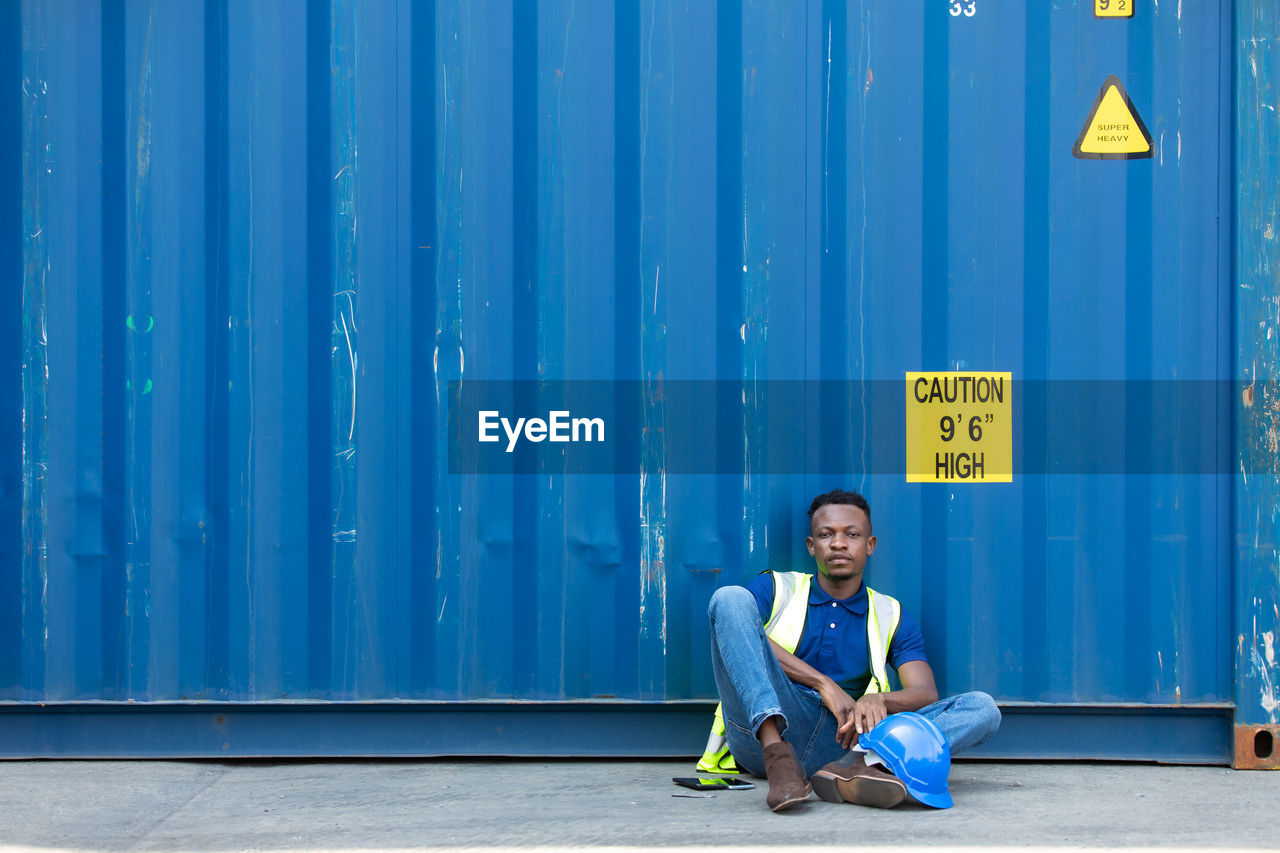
<point>262,261</point>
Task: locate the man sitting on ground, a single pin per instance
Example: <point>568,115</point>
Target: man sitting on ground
<point>796,697</point>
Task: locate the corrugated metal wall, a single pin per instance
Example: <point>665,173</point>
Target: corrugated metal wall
<point>259,240</point>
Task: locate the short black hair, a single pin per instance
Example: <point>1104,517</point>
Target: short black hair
<point>840,496</point>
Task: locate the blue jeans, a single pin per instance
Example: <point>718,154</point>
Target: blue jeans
<point>753,688</point>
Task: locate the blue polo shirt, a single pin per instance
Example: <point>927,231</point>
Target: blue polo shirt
<point>834,640</point>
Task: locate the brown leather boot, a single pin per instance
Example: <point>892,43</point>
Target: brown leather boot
<point>787,783</point>
<point>848,779</point>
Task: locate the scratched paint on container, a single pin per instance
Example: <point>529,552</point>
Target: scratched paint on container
<point>40,157</point>
<point>345,338</point>
<point>1257,295</point>
<point>138,357</point>
<point>651,203</point>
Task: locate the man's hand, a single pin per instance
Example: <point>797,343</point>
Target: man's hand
<point>869,712</point>
<point>854,718</point>
<point>843,708</point>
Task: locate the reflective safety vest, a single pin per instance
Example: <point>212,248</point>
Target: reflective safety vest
<point>786,625</point>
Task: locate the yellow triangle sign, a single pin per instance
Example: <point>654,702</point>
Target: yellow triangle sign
<point>1114,130</point>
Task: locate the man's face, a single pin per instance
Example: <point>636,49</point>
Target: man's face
<point>840,540</point>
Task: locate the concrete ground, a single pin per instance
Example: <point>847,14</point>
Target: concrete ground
<point>621,805</point>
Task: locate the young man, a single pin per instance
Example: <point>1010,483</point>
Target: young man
<point>797,697</point>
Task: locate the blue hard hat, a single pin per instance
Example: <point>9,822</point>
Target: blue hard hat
<point>917,753</point>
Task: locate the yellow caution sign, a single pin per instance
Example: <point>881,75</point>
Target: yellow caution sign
<point>1114,130</point>
<point>959,427</point>
<point>1113,8</point>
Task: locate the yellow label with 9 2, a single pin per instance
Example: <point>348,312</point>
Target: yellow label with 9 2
<point>1113,8</point>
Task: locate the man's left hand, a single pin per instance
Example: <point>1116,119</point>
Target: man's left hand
<point>869,711</point>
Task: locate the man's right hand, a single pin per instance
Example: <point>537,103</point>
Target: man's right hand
<point>842,706</point>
